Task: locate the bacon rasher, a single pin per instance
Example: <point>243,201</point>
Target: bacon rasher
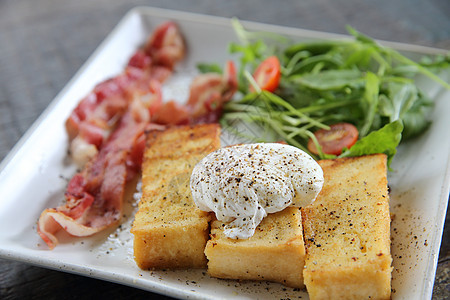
<point>113,119</point>
<point>94,196</point>
<point>208,92</point>
<point>106,130</point>
<point>96,116</point>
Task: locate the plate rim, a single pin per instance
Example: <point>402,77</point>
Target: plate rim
<point>139,11</point>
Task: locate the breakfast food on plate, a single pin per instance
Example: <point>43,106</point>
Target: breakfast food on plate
<point>207,95</point>
<point>94,196</point>
<point>347,231</point>
<point>107,132</point>
<point>278,215</point>
<point>169,230</point>
<point>250,188</point>
<point>276,252</point>
<point>337,245</point>
<point>241,184</point>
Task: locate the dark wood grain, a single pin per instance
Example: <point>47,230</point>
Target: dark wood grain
<point>43,43</point>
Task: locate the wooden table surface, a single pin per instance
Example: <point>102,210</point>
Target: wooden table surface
<point>43,43</point>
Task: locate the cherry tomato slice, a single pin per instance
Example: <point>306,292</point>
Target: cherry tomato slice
<point>268,74</point>
<point>340,136</point>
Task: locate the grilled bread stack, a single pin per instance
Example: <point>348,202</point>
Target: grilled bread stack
<point>275,252</point>
<point>169,230</point>
<point>345,231</point>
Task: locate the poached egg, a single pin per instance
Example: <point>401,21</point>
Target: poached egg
<point>241,184</point>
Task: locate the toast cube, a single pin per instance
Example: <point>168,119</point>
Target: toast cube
<point>169,230</point>
<point>275,252</point>
<point>347,231</point>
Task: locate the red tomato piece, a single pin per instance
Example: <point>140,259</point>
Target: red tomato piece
<point>268,74</point>
<point>340,136</point>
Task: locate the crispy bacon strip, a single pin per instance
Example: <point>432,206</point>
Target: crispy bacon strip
<point>111,122</point>
<point>94,196</point>
<point>166,46</point>
<point>208,92</point>
<point>96,116</point>
<point>106,129</point>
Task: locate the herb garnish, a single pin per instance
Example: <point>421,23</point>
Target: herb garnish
<point>325,82</point>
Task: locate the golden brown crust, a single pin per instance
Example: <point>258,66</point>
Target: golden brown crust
<point>169,230</point>
<point>275,252</point>
<point>347,231</point>
<point>179,141</point>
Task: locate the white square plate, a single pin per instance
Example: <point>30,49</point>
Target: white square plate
<point>34,175</point>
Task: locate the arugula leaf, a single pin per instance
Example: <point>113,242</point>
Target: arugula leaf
<point>413,120</point>
<point>403,96</point>
<point>315,47</point>
<point>359,36</point>
<point>370,102</point>
<point>384,140</point>
<point>330,79</point>
<point>209,68</point>
<point>325,82</point>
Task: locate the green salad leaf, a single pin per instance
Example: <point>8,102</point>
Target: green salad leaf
<point>324,82</point>
<point>384,140</point>
<point>209,68</point>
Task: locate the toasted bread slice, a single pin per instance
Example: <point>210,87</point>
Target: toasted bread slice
<point>169,230</point>
<point>275,252</point>
<point>347,232</point>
